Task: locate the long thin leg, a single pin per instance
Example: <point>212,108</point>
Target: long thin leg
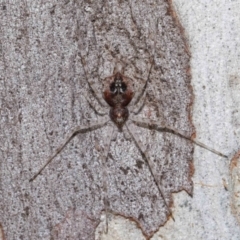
<point>138,105</point>
<point>69,137</point>
<point>163,128</point>
<point>90,84</point>
<point>104,174</point>
<point>149,164</point>
<point>144,87</point>
<point>138,108</point>
<point>96,109</point>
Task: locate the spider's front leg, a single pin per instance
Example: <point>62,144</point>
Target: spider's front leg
<point>97,108</point>
<point>93,90</point>
<point>164,128</point>
<point>136,109</point>
<point>137,105</point>
<point>72,133</point>
<point>93,96</point>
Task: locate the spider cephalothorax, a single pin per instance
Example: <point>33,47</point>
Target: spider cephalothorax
<point>118,94</point>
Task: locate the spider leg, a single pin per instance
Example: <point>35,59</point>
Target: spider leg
<point>91,84</point>
<point>74,132</point>
<point>144,87</point>
<point>136,109</point>
<point>126,134</point>
<point>104,173</point>
<point>163,128</point>
<point>114,135</point>
<point>98,109</point>
<point>149,164</point>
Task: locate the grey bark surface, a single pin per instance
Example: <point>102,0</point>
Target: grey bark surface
<point>48,51</point>
<point>42,84</point>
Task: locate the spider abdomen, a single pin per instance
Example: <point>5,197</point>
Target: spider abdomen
<point>119,115</point>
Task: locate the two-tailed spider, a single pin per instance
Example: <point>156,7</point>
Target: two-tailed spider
<point>118,92</point>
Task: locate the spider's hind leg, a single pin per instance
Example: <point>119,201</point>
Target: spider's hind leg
<point>126,134</point>
<point>151,168</point>
<point>163,128</point>
<point>72,133</point>
<point>104,157</point>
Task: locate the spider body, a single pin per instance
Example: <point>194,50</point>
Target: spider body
<point>118,93</point>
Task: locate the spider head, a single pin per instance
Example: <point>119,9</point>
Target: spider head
<point>118,90</point>
<point>118,86</point>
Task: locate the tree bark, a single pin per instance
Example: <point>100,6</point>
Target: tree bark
<point>49,49</point>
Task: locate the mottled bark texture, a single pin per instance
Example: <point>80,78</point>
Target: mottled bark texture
<point>48,51</point>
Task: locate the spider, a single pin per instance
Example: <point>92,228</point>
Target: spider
<point>118,93</point>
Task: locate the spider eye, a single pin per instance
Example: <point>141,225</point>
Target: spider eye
<point>123,87</point>
<point>113,87</point>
